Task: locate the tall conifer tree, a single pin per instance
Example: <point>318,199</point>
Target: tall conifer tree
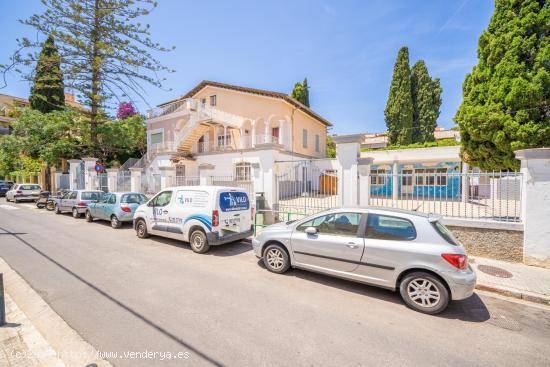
<point>426,96</point>
<point>48,91</point>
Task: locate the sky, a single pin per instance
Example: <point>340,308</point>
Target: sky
<point>345,48</point>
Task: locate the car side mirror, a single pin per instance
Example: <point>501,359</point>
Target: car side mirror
<point>311,230</point>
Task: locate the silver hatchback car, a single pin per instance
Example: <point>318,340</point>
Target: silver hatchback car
<point>393,249</point>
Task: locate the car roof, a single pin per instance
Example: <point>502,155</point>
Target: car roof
<point>387,210</point>
<point>205,188</point>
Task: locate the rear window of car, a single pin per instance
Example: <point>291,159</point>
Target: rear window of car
<point>29,187</point>
<point>133,199</point>
<point>231,201</point>
<point>90,195</point>
<point>445,233</point>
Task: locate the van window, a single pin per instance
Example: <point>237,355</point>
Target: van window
<point>161,199</point>
<point>192,199</point>
<point>231,201</point>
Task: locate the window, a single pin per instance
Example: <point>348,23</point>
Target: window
<point>304,138</point>
<point>73,195</point>
<point>203,101</point>
<point>133,199</point>
<point>445,233</point>
<point>317,143</point>
<point>406,177</point>
<point>91,195</point>
<point>180,170</point>
<point>157,138</point>
<point>112,199</point>
<point>213,100</point>
<point>221,141</point>
<point>431,176</point>
<point>441,178</point>
<point>161,199</point>
<point>29,187</point>
<point>339,224</point>
<point>104,198</point>
<point>378,177</point>
<point>243,171</point>
<point>384,227</point>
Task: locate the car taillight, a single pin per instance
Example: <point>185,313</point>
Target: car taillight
<point>251,213</point>
<point>19,192</point>
<point>81,204</point>
<point>458,261</point>
<point>215,218</point>
<point>126,209</point>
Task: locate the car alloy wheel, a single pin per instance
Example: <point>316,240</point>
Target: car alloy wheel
<point>276,259</point>
<point>423,292</point>
<point>115,223</point>
<point>89,217</point>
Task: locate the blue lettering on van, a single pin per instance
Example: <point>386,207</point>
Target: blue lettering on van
<point>234,201</point>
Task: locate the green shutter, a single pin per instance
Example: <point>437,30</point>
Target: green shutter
<point>156,138</point>
<point>304,138</point>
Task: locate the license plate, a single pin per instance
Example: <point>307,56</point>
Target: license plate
<point>232,221</point>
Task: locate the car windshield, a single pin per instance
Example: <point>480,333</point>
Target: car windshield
<point>445,233</point>
<point>133,199</point>
<point>91,195</point>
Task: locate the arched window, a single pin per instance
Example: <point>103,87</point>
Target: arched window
<point>243,171</point>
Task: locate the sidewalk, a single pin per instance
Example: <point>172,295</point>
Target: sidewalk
<point>521,281</point>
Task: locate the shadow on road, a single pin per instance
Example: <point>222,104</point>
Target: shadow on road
<point>228,249</point>
<point>469,310</point>
<point>120,304</point>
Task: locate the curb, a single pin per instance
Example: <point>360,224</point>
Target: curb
<point>523,295</point>
<point>70,347</point>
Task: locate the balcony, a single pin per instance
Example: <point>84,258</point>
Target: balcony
<point>245,142</point>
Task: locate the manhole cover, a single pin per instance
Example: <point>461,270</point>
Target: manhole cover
<point>504,322</point>
<point>494,271</point>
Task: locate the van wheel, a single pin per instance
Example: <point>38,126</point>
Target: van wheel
<point>115,223</point>
<point>141,229</point>
<point>276,259</point>
<point>89,217</point>
<point>199,242</point>
<point>424,292</point>
<point>76,214</point>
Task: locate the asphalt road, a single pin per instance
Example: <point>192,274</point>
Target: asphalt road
<point>223,308</point>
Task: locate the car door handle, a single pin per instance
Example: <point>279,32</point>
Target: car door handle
<point>165,211</point>
<point>352,245</point>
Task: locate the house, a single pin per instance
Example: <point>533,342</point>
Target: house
<point>380,140</point>
<point>226,126</point>
<point>10,104</point>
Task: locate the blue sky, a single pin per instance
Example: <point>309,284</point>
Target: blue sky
<point>346,49</point>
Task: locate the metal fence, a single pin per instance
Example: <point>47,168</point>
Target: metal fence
<point>493,196</point>
<point>123,181</point>
<point>304,188</point>
<point>183,181</point>
<point>232,181</point>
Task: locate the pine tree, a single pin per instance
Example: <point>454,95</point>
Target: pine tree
<point>48,91</point>
<point>399,108</point>
<point>506,97</point>
<point>105,51</point>
<point>299,93</point>
<point>426,97</point>
<point>306,91</point>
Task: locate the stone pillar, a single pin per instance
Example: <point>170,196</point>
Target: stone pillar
<point>347,154</point>
<point>53,179</point>
<point>74,165</point>
<point>224,137</point>
<point>112,178</point>
<point>394,183</point>
<point>241,138</point>
<point>90,175</point>
<point>205,172</point>
<point>267,135</point>
<point>215,144</point>
<point>135,179</point>
<point>535,194</point>
<point>465,183</point>
<point>363,168</point>
<point>167,177</point>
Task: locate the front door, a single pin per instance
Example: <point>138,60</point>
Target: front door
<point>158,213</point>
<point>336,245</point>
<point>69,201</point>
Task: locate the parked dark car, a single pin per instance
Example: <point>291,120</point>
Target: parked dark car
<point>4,187</point>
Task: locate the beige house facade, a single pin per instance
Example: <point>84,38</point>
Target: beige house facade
<point>216,123</point>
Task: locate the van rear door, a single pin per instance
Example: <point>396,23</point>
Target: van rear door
<point>234,211</point>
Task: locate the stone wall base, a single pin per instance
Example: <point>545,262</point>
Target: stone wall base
<point>496,244</point>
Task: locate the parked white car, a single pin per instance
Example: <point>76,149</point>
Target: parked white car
<point>204,216</point>
<point>20,192</point>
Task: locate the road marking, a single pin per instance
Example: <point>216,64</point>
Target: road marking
<point>8,207</point>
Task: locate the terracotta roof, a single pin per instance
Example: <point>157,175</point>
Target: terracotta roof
<point>261,92</point>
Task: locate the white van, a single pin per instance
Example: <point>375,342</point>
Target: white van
<point>204,216</point>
